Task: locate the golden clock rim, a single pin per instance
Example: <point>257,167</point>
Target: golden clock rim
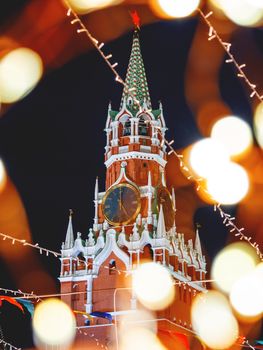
<point>111,189</point>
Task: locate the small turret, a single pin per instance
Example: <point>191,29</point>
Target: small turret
<point>149,195</point>
<point>91,241</point>
<point>96,198</point>
<point>198,247</point>
<point>135,233</point>
<point>161,231</point>
<point>69,241</point>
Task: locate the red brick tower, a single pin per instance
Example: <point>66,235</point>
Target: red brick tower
<point>135,216</point>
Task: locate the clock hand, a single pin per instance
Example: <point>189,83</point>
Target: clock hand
<point>120,200</point>
<point>124,209</point>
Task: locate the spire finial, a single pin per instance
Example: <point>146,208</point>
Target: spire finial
<point>136,19</point>
<point>69,241</point>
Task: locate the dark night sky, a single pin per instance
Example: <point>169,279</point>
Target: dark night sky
<point>52,141</point>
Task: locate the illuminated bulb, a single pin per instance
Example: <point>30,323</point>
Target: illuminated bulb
<point>213,320</point>
<point>228,184</point>
<point>258,123</point>
<point>20,71</point>
<point>258,3</point>
<point>85,6</point>
<point>140,339</point>
<point>175,8</point>
<point>233,133</point>
<point>232,263</point>
<point>207,155</point>
<point>153,285</point>
<point>53,324</point>
<point>247,293</point>
<point>242,12</point>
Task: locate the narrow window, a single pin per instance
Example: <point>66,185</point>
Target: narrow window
<point>112,267</point>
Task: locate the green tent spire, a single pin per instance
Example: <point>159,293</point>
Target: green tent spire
<point>136,78</point>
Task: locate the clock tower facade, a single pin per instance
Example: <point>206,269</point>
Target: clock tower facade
<point>134,218</point>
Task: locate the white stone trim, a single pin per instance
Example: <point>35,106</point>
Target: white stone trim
<point>134,155</point>
<point>74,278</point>
<point>110,247</point>
<point>192,284</point>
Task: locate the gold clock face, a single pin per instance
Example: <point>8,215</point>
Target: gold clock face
<point>121,204</point>
<point>164,197</point>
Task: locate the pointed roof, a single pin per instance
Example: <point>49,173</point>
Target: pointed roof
<point>136,78</point>
<point>69,241</point>
<point>160,232</point>
<point>96,190</point>
<point>198,246</point>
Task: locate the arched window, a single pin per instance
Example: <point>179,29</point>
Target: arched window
<point>81,262</point>
<point>127,128</point>
<point>143,127</point>
<point>80,257</point>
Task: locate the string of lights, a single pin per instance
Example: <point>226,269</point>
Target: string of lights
<point>83,29</point>
<point>19,292</point>
<point>8,345</point>
<point>55,254</point>
<point>99,45</point>
<point>246,343</point>
<point>92,336</point>
<point>79,261</point>
<point>31,295</point>
<point>228,220</point>
<point>25,243</point>
<point>213,34</point>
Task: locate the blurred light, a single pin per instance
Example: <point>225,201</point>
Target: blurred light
<point>175,8</point>
<point>228,184</point>
<point>2,175</point>
<point>85,6</point>
<point>242,12</point>
<point>209,111</point>
<point>247,293</point>
<point>140,339</point>
<point>213,320</point>
<point>233,133</point>
<point>20,71</point>
<point>138,318</point>
<point>206,156</point>
<point>258,124</point>
<point>53,324</point>
<point>258,3</point>
<point>232,263</point>
<point>153,285</point>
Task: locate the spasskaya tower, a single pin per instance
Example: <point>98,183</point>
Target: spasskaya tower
<point>134,217</point>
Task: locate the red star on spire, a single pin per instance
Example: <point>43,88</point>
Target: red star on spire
<point>136,19</point>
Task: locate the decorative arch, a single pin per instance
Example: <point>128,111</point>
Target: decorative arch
<point>110,247</point>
